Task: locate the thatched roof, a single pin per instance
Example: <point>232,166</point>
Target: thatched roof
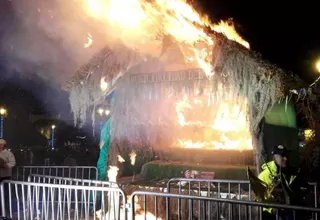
<point>241,72</point>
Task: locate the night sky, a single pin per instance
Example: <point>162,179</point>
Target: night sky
<point>286,34</point>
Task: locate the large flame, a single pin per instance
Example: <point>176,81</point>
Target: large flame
<point>138,23</point>
<point>213,125</point>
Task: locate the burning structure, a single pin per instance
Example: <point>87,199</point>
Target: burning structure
<point>178,82</point>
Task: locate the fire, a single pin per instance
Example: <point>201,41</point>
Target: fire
<point>227,127</point>
<point>133,158</point>
<point>137,23</point>
<point>113,173</point>
<point>120,159</point>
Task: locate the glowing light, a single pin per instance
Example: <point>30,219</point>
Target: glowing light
<point>120,159</point>
<point>103,84</point>
<point>137,23</point>
<point>100,111</point>
<point>133,158</point>
<point>227,127</point>
<point>318,66</point>
<point>53,126</point>
<point>113,173</point>
<point>3,111</point>
<point>308,134</point>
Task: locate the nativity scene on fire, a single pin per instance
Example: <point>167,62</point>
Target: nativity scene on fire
<point>180,90</point>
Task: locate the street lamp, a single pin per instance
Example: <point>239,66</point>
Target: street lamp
<point>53,127</point>
<point>3,113</point>
<point>318,66</point>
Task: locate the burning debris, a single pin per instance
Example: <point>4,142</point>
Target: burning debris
<point>213,98</point>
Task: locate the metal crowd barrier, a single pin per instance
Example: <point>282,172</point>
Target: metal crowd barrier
<point>211,208</point>
<point>231,189</point>
<point>28,200</point>
<point>35,178</point>
<point>80,172</point>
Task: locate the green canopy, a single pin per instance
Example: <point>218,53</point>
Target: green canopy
<point>282,114</point>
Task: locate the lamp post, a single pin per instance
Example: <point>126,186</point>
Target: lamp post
<point>3,113</point>
<point>53,127</point>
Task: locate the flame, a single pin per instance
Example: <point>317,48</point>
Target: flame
<point>113,173</point>
<point>90,41</point>
<point>103,84</point>
<point>120,159</point>
<point>133,158</point>
<point>137,23</point>
<point>227,127</point>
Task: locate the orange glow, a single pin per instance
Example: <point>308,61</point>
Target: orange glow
<point>133,158</point>
<point>219,125</point>
<point>137,23</point>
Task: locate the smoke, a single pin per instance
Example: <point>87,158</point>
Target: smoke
<point>46,37</point>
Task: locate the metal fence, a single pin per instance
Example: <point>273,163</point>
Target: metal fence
<point>80,172</point>
<point>199,207</point>
<point>36,178</point>
<point>229,189</point>
<point>33,200</point>
<point>27,200</point>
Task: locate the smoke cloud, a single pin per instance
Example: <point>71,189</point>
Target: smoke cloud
<point>46,37</point>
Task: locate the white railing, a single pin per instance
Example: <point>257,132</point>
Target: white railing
<point>79,172</point>
<point>28,200</point>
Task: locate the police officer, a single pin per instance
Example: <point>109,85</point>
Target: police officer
<point>285,181</point>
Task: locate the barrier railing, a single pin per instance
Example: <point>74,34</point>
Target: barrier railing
<point>35,178</point>
<point>28,200</point>
<point>232,189</point>
<point>79,172</point>
<point>211,208</point>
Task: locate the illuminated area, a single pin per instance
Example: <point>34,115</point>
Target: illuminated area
<point>212,124</point>
<point>141,25</point>
<point>308,134</point>
<point>318,66</point>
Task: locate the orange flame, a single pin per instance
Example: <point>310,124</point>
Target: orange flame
<point>138,24</point>
<point>133,158</point>
<point>227,127</point>
<point>113,173</point>
<point>120,159</point>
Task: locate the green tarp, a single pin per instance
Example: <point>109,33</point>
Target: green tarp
<point>282,115</point>
<point>280,127</point>
<point>103,157</point>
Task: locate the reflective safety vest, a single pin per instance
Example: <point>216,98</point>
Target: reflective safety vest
<point>268,175</point>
